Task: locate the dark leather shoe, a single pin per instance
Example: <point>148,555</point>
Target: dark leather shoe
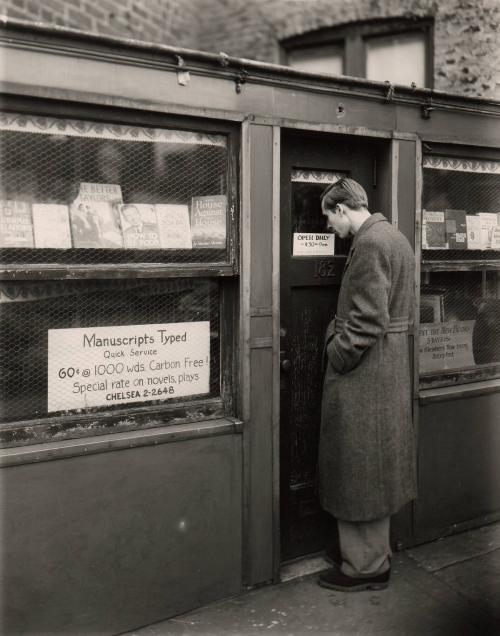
<point>335,579</point>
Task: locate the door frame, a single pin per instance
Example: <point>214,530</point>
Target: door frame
<point>250,153</point>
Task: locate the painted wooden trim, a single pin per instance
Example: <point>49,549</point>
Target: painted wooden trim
<point>460,265</point>
<point>245,369</point>
<point>261,343</point>
<point>283,122</point>
<point>117,441</point>
<point>474,389</point>
<point>394,182</point>
<point>245,279</point>
<point>261,312</point>
<point>83,97</point>
<point>276,290</point>
<point>38,271</point>
<point>418,259</point>
<point>64,41</point>
<point>459,140</point>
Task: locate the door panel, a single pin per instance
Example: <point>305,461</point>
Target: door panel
<point>309,292</point>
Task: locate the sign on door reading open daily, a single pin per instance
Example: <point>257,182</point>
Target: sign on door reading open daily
<point>313,244</point>
<point>102,366</point>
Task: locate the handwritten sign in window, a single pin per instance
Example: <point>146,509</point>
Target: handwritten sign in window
<point>113,365</point>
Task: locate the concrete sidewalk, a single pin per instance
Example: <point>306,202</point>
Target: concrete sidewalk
<point>450,587</point>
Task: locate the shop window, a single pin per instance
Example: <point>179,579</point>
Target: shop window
<point>459,332</point>
<point>84,192</point>
<point>396,50</point>
<point>117,245</point>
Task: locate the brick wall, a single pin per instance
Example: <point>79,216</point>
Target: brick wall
<point>166,21</point>
<point>466,40</point>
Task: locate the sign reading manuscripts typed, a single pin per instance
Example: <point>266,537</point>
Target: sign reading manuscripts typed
<point>103,366</point>
<point>446,345</point>
<point>313,244</point>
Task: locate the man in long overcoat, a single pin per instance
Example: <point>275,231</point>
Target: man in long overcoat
<point>366,451</point>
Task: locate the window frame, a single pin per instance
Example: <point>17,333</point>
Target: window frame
<point>135,416</point>
<point>447,379</point>
<point>353,37</point>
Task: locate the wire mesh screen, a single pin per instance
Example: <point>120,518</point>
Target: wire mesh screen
<point>82,192</point>
<point>84,346</point>
<point>461,209</point>
<point>460,296</point>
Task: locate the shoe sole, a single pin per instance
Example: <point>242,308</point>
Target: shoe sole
<point>354,588</point>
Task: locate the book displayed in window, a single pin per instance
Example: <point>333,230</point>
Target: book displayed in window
<point>433,230</point>
<point>16,227</point>
<point>173,226</point>
<point>139,226</point>
<point>473,226</point>
<point>95,224</point>
<point>431,308</point>
<point>488,221</point>
<point>208,221</point>
<point>51,225</point>
<point>456,229</point>
<point>111,192</point>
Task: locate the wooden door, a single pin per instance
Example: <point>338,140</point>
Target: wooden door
<point>309,290</point>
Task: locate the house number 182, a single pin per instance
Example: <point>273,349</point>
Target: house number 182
<point>324,269</point>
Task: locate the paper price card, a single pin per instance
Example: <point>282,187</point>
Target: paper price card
<point>102,366</point>
<point>313,244</point>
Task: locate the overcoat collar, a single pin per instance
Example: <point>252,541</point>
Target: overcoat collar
<point>371,220</point>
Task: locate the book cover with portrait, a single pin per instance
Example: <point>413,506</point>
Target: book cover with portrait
<point>139,226</point>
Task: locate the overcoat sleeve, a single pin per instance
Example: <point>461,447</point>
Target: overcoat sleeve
<point>367,302</point>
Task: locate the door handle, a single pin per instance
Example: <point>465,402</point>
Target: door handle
<point>285,364</point>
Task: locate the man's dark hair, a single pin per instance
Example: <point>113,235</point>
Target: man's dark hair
<point>346,191</point>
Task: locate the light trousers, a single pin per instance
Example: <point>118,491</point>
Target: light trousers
<point>365,547</point>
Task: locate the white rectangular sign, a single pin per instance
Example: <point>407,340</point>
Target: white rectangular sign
<point>313,244</point>
<point>446,345</point>
<point>102,366</point>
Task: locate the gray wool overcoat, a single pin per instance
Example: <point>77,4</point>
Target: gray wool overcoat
<point>367,445</point>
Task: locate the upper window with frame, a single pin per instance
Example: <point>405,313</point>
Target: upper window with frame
<point>396,50</point>
<point>83,192</point>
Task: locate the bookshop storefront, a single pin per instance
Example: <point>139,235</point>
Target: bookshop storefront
<point>166,279</point>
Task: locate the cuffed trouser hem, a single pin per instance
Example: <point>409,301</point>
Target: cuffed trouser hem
<point>365,547</point>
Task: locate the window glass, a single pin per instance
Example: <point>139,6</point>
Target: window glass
<point>84,346</point>
<point>318,59</point>
<point>399,58</point>
<point>460,286</point>
<point>311,237</point>
<point>84,192</point>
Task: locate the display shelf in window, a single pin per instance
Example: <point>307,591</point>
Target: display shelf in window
<point>459,333</point>
<point>81,193</point>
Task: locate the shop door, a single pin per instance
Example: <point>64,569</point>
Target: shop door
<point>311,270</point>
